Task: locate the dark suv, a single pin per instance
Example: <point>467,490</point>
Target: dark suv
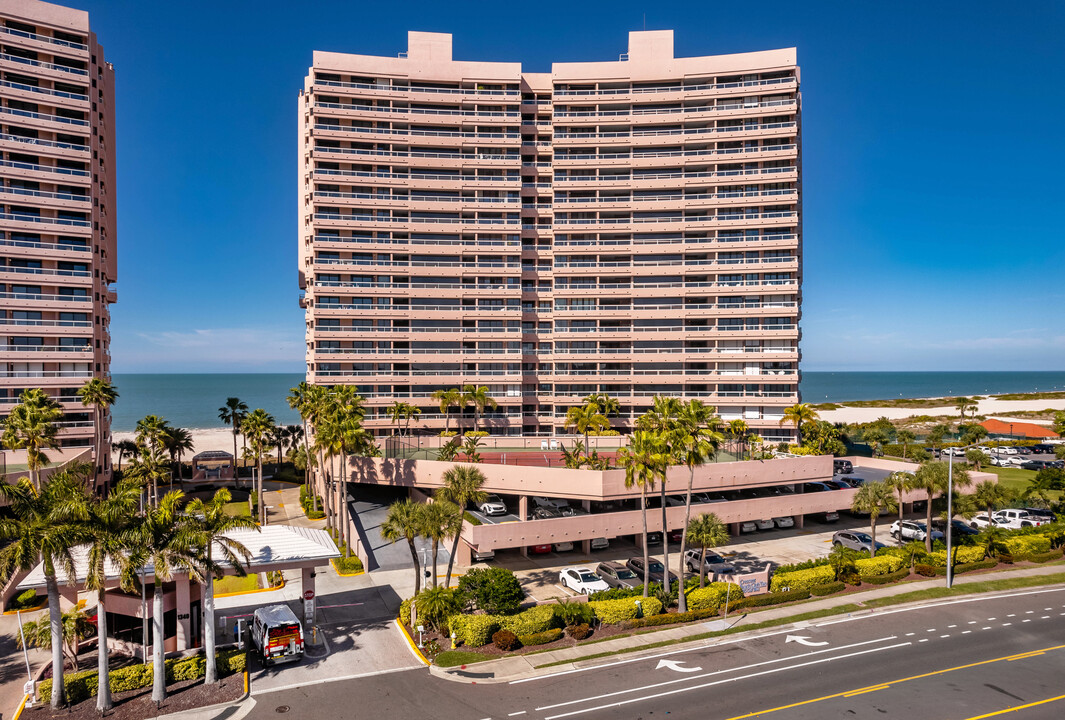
<point>617,575</point>
<point>842,467</point>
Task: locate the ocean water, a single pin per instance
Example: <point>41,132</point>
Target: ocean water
<point>192,401</point>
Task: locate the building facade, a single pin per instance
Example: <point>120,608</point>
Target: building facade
<point>630,227</point>
<point>57,210</point>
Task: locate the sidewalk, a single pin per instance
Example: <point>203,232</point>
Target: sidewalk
<point>517,667</point>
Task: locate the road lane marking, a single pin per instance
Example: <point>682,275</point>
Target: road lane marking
<point>1006,624</point>
<point>322,681</point>
<point>1019,707</point>
<point>520,712</point>
<point>944,636</point>
<point>866,690</point>
<point>966,632</point>
<point>804,640</point>
<point>923,640</point>
<point>1012,615</point>
<point>896,682</point>
<point>715,672</point>
<point>910,634</point>
<point>972,622</point>
<point>723,681</point>
<point>951,626</point>
<point>1045,617</point>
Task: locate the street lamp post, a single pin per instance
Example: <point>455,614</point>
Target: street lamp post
<point>950,513</point>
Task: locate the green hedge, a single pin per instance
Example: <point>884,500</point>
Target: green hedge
<point>477,630</point>
<point>541,638</point>
<point>889,578</point>
<point>981,565</point>
<point>672,618</point>
<point>964,554</point>
<point>83,685</point>
<point>871,567</point>
<point>828,588</point>
<point>532,621</point>
<point>1020,547</point>
<point>473,630</point>
<point>1046,557</point>
<point>611,612</point>
<point>347,565</point>
<point>802,579</point>
<point>773,598</point>
<point>713,596</point>
<point>404,611</point>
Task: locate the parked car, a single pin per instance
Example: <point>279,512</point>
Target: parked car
<point>911,530</point>
<point>749,526</point>
<point>617,575</point>
<point>1008,450</point>
<point>564,546</point>
<point>838,484</point>
<point>829,516</point>
<point>600,543</point>
<point>277,634</point>
<point>765,524</point>
<point>713,562</point>
<point>1042,448</point>
<point>814,487</point>
<point>483,555</point>
<point>557,503</point>
<point>493,505</point>
<point>953,451</point>
<point>541,549</point>
<point>1043,513</point>
<point>675,535</point>
<point>1037,464</point>
<point>784,522</point>
<point>854,482</point>
<point>1016,519</point>
<point>655,566</point>
<point>842,467</point>
<point>654,538</point>
<point>855,540</point>
<point>958,528</point>
<point>981,521</point>
<point>582,580</point>
<point>545,512</point>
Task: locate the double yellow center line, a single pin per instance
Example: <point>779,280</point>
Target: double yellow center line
<point>884,686</point>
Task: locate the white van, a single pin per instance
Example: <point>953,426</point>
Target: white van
<point>277,634</point>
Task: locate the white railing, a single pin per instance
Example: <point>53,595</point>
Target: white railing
<point>44,220</point>
<point>676,88</point>
<point>44,65</point>
<point>43,38</point>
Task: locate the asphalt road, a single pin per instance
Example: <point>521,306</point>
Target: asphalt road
<point>953,659</point>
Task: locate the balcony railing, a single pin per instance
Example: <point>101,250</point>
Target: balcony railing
<point>43,91</point>
<point>45,373</point>
<point>44,245</point>
<point>44,271</point>
<point>86,349</point>
<point>43,143</point>
<point>426,90</point>
<point>670,111</point>
<point>43,194</point>
<point>673,153</point>
<point>44,297</point>
<point>318,125</point>
<point>417,241</point>
<point>676,88</point>
<point>45,220</point>
<point>405,220</point>
<point>683,131</point>
<point>44,116</point>
<point>45,323</point>
<point>44,65</point>
<point>420,111</point>
<point>44,168</point>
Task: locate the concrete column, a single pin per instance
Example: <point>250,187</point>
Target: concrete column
<point>800,521</point>
<point>586,547</point>
<point>523,508</point>
<point>734,529</point>
<point>183,607</point>
<point>464,555</point>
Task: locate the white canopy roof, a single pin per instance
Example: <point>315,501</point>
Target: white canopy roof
<point>272,546</point>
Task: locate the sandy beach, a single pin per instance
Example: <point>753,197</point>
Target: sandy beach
<point>202,439</point>
<point>992,407</point>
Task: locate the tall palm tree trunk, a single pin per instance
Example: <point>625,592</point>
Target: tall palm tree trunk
<point>259,493</point>
<point>454,550</point>
<point>103,660</point>
<point>928,524</point>
<point>646,555</point>
<point>872,534</point>
<point>307,474</point>
<point>436,550</point>
<point>211,676</point>
<point>665,540</point>
<point>345,510</point>
<point>158,658</point>
<point>236,471</point>
<point>55,618</point>
<point>702,567</point>
<point>417,567</point>
<point>681,600</point>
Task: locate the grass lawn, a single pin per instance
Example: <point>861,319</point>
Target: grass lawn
<point>454,658</point>
<point>233,584</point>
<point>1018,480</point>
<point>237,508</point>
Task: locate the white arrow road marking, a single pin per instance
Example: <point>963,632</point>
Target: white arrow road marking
<point>675,665</point>
<point>804,640</point>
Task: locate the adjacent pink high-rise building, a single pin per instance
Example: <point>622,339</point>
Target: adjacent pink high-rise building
<point>57,210</point>
<point>629,227</point>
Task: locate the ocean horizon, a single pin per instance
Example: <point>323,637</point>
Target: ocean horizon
<point>192,400</point>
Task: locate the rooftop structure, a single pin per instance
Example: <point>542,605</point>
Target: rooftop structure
<point>629,227</point>
<point>57,211</point>
<point>1020,430</point>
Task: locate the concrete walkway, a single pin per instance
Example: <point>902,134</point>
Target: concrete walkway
<point>517,667</point>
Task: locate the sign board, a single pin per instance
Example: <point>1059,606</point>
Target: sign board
<point>755,583</point>
<point>308,594</point>
<point>308,609</point>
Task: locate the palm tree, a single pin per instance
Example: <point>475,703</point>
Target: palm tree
<point>32,425</point>
<point>440,520</point>
<point>606,405</point>
<point>706,531</point>
<point>470,445</point>
<point>798,415</point>
<point>937,434</point>
<point>232,414</point>
<point>397,411</point>
<point>300,400</point>
<point>571,459</point>
<point>693,443</point>
<point>448,450</point>
<point>275,438</point>
<point>101,395</point>
<point>643,460</point>
<point>905,436</point>
<point>446,399</point>
<point>177,441</point>
<point>585,419</point>
<point>76,627</point>
<point>932,478</point>
<point>404,520</point>
<point>462,486</point>
<point>990,495</point>
<point>900,483</point>
<point>211,523</point>
<point>963,405</point>
<point>125,448</point>
<point>872,498</point>
<point>737,430</point>
<point>348,437</point>
<point>480,399</point>
<point>151,429</point>
<point>45,524</point>
<point>170,543</point>
<point>256,427</point>
<point>875,436</point>
<point>113,521</point>
<point>662,419</point>
<point>149,467</point>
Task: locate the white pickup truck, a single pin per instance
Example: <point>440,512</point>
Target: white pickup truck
<point>1015,519</point>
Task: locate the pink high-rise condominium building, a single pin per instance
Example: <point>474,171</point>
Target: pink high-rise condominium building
<point>630,227</point>
<point>57,210</point>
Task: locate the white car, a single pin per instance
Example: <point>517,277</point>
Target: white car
<point>582,580</point>
<point>984,448</point>
<point>981,521</point>
<point>748,526</point>
<point>493,505</point>
<point>1008,450</point>
<point>765,525</point>
<point>953,451</point>
<point>784,522</point>
<point>1016,519</point>
<point>912,530</point>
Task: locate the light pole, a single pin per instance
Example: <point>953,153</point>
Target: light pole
<point>948,526</point>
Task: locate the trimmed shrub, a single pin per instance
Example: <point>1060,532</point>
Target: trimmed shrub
<point>802,579</point>
<point>26,599</point>
<point>869,567</point>
<point>889,578</point>
<point>713,596</point>
<point>573,613</point>
<point>473,630</point>
<point>1005,558</point>
<point>612,612</point>
<point>773,598</point>
<point>651,606</point>
<point>494,590</point>
<point>1021,547</point>
<point>534,620</point>
<point>982,565</point>
<point>347,565</point>
<point>579,632</point>
<point>542,638</point>
<point>828,588</point>
<point>964,554</point>
<point>404,611</point>
<point>671,618</point>
<point>1046,557</point>
<point>849,578</point>
<point>805,565</point>
<point>925,570</point>
<point>232,661</point>
<point>505,640</point>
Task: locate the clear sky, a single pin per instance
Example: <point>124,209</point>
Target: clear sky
<point>933,164</point>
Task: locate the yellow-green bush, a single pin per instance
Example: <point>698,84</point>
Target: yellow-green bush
<point>1022,546</point>
<point>802,579</point>
<point>713,595</point>
<point>869,567</point>
<point>404,611</point>
<point>473,630</point>
<point>541,638</point>
<point>532,621</point>
<point>612,612</point>
<point>964,554</point>
<point>651,606</point>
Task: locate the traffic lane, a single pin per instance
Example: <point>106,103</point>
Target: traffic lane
<point>896,641</point>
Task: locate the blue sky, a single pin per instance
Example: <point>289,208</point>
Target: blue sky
<point>932,158</point>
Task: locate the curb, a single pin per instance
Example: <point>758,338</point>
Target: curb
<point>333,565</point>
<point>42,606</point>
<point>21,707</point>
<point>251,592</point>
<point>410,642</point>
<point>216,706</point>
